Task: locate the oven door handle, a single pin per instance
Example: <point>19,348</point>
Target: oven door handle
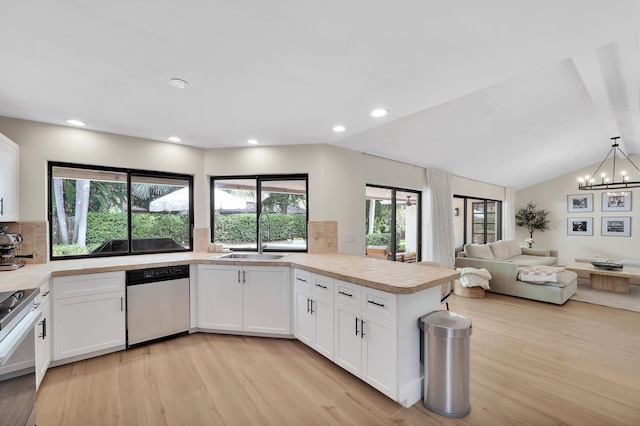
<point>12,341</point>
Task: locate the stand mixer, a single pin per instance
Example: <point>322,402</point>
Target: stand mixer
<point>10,251</point>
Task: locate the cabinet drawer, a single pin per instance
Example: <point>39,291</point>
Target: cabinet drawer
<point>348,294</point>
<point>380,303</point>
<point>323,286</point>
<point>88,284</point>
<point>302,280</point>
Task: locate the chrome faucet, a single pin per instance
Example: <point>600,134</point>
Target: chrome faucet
<point>260,229</point>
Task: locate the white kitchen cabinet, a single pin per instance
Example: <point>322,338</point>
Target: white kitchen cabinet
<point>88,315</point>
<point>9,152</point>
<point>366,343</point>
<point>252,299</point>
<point>42,333</point>
<point>220,297</point>
<point>313,311</point>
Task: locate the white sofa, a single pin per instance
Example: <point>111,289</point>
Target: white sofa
<point>504,259</point>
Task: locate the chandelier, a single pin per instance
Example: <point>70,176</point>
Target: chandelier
<point>613,181</point>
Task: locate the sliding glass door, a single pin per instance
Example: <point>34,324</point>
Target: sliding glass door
<point>393,223</point>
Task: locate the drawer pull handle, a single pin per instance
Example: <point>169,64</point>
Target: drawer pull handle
<point>345,294</point>
<point>362,329</point>
<point>376,303</point>
<point>321,286</point>
<point>301,279</point>
<point>356,326</point>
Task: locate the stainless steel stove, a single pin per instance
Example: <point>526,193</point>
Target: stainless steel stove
<point>17,357</point>
<point>14,305</point>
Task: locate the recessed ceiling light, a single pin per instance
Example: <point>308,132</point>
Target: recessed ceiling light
<point>178,82</point>
<point>339,128</point>
<point>174,139</point>
<point>379,113</point>
<point>76,123</point>
<point>252,142</point>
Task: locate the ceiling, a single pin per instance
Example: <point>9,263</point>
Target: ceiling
<point>509,93</point>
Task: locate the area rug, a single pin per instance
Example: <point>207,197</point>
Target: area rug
<point>629,301</point>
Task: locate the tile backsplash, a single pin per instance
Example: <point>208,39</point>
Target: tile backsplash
<point>323,237</point>
<point>34,239</point>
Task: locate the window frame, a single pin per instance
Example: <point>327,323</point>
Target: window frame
<point>498,217</point>
<point>129,172</point>
<point>394,243</point>
<point>259,179</point>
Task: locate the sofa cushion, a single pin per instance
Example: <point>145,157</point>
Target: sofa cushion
<point>500,250</point>
<point>527,260</point>
<point>536,252</point>
<point>514,247</point>
<point>478,251</point>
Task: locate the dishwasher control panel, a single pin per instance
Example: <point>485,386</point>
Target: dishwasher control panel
<point>163,273</point>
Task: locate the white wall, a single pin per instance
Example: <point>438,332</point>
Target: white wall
<point>552,196</point>
<point>337,176</point>
<point>40,143</point>
<point>337,180</point>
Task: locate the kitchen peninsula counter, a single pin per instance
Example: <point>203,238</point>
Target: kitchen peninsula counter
<point>392,277</point>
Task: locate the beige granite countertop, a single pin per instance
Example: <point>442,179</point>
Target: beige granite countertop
<point>393,277</point>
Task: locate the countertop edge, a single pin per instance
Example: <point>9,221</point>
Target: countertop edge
<point>52,270</point>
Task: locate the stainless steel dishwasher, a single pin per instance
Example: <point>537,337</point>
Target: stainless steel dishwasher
<point>157,303</point>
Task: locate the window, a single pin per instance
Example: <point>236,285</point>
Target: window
<point>99,211</point>
<point>476,220</point>
<point>278,201</point>
<point>393,221</point>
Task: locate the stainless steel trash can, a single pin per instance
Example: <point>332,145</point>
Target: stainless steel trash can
<point>445,349</point>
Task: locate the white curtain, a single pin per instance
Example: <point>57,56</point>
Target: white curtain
<point>509,215</point>
<point>440,242</point>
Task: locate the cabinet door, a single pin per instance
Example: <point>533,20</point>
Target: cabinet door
<point>8,180</point>
<point>302,318</point>
<point>267,300</point>
<point>379,354</point>
<point>323,326</point>
<point>42,334</point>
<point>87,324</point>
<point>220,298</point>
<point>347,339</point>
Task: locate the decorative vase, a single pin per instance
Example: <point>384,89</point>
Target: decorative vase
<point>530,245</point>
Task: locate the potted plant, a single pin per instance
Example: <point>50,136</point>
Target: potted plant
<point>533,219</point>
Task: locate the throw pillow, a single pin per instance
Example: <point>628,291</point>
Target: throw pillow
<point>478,251</point>
<point>500,250</point>
<point>514,247</point>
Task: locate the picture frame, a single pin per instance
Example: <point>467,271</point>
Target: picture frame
<point>577,203</point>
<point>580,226</point>
<point>616,226</point>
<point>616,201</point>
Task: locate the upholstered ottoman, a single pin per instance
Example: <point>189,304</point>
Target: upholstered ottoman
<point>557,293</point>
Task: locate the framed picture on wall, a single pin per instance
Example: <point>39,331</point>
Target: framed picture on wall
<point>616,201</point>
<point>577,203</point>
<point>617,226</point>
<point>580,226</point>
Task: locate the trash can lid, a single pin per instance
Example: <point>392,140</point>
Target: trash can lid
<point>446,323</point>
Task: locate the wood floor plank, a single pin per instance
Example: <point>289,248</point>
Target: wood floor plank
<point>531,364</point>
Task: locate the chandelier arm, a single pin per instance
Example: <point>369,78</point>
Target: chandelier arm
<point>605,159</point>
<point>629,159</point>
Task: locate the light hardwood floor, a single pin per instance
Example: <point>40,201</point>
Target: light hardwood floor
<point>531,363</point>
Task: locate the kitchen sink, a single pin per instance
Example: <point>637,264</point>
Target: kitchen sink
<point>250,256</point>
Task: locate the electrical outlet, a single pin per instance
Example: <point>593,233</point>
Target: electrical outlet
<point>349,238</point>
